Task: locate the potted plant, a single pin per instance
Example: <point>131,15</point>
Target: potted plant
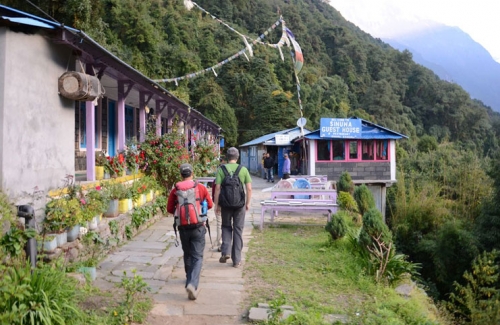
<point>125,199</point>
<point>132,156</point>
<point>100,162</point>
<point>137,191</point>
<point>61,213</point>
<point>91,253</point>
<point>96,204</point>
<point>113,191</point>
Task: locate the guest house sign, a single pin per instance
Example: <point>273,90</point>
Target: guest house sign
<point>340,128</point>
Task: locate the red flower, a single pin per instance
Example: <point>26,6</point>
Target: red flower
<point>98,188</point>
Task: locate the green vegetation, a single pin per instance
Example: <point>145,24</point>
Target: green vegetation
<point>364,198</point>
<point>345,183</point>
<point>445,208</point>
<point>326,277</point>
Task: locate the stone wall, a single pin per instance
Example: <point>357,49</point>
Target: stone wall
<point>358,170</point>
<point>73,251</point>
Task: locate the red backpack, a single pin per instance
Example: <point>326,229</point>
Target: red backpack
<point>188,210</point>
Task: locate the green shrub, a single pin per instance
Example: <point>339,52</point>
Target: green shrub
<point>373,227</point>
<point>346,202</point>
<point>427,143</point>
<point>479,299</point>
<point>345,183</point>
<point>7,212</point>
<point>337,227</point>
<point>42,296</point>
<point>364,198</point>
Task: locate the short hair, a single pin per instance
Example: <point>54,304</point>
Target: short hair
<point>232,154</point>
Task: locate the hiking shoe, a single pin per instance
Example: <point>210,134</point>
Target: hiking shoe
<point>224,258</point>
<point>192,292</point>
<point>237,265</point>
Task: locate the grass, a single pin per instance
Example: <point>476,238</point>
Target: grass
<point>320,277</point>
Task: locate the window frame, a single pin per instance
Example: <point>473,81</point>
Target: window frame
<point>82,126</point>
<point>359,146</point>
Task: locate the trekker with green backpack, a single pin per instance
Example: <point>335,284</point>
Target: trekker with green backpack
<point>230,202</point>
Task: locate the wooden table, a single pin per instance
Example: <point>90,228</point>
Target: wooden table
<point>323,178</point>
<point>295,205</point>
<point>205,180</point>
<point>328,194</point>
<point>319,200</point>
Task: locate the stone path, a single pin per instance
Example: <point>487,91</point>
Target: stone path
<point>153,255</point>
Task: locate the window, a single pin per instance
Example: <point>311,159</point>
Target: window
<point>323,150</point>
<point>338,149</point>
<point>368,149</point>
<point>83,125</point>
<point>382,146</point>
<point>353,149</point>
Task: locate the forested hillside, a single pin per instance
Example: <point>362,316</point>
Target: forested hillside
<point>443,212</point>
<point>346,72</point>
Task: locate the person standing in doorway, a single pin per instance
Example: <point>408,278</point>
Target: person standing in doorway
<point>232,207</point>
<point>286,167</point>
<point>191,224</point>
<point>269,165</point>
<point>262,162</point>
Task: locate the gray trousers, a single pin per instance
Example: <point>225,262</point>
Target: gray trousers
<point>193,245</point>
<point>233,221</point>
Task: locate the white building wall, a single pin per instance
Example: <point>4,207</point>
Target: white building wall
<point>392,158</point>
<point>37,125</point>
<point>312,157</point>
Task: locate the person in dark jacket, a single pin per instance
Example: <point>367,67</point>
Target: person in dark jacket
<point>269,165</point>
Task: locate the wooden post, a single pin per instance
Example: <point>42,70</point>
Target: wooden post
<point>120,107</point>
<point>90,133</point>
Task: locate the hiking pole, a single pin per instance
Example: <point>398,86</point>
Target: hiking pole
<point>209,234</point>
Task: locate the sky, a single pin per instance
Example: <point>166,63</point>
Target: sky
<point>384,18</point>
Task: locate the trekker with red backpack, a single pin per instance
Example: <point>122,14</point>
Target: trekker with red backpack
<point>185,202</point>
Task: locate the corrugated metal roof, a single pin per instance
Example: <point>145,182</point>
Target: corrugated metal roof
<point>269,139</point>
<point>28,21</point>
<point>369,130</point>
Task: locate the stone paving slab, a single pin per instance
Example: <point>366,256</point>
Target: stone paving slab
<point>167,310</point>
<point>154,256</point>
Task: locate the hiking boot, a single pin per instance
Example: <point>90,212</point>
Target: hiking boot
<point>192,292</point>
<point>224,258</point>
<point>237,265</point>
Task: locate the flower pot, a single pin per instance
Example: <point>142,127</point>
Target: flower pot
<point>99,172</point>
<point>61,238</point>
<point>149,196</point>
<point>49,245</point>
<point>73,233</point>
<point>138,202</point>
<point>123,205</point>
<point>90,270</point>
<point>94,223</point>
<point>112,211</point>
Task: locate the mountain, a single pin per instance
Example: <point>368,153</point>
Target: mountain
<point>454,56</point>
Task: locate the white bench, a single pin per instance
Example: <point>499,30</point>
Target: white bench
<point>296,205</point>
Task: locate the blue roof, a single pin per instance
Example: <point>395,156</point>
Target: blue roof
<point>369,130</point>
<point>24,18</point>
<point>269,139</point>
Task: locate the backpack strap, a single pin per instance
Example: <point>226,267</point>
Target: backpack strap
<point>224,169</point>
<point>237,171</point>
